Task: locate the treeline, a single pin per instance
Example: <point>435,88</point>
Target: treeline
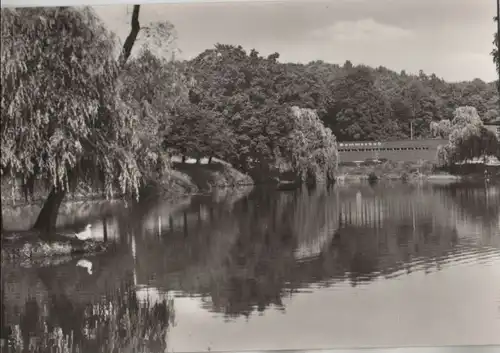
<point>355,102</point>
<point>239,104</point>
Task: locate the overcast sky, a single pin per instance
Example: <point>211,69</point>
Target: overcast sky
<point>452,38</point>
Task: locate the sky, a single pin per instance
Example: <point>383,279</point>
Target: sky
<point>451,38</point>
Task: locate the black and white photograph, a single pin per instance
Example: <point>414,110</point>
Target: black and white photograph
<point>250,176</point>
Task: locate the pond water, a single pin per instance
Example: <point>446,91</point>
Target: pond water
<point>358,265</point>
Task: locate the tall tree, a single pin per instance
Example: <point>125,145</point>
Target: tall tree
<point>357,110</point>
<point>496,46</point>
<point>242,89</point>
<point>313,147</point>
<point>468,138</point>
<point>63,119</point>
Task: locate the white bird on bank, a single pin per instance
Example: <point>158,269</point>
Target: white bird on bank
<point>85,264</point>
<point>85,234</point>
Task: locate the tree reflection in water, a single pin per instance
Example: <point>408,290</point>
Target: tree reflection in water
<point>119,322</point>
<point>409,231</point>
<point>248,255</point>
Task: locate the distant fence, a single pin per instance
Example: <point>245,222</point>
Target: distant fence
<point>398,151</point>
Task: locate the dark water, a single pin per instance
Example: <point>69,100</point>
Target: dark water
<point>349,266</point>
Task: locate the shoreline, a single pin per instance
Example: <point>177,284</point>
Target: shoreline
<point>430,177</point>
<point>189,181</point>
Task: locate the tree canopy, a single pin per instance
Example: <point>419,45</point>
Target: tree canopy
<point>468,138</point>
<point>313,147</point>
<point>60,101</point>
<point>496,53</point>
<point>72,112</point>
<point>355,102</point>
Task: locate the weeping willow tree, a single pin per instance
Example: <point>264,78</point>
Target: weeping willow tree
<point>313,147</point>
<point>63,118</point>
<point>495,53</point>
<point>468,139</point>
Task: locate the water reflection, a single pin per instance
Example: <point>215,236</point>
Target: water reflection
<point>274,252</point>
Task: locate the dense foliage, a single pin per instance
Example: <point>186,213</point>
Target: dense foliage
<point>152,87</point>
<point>69,110</point>
<point>61,112</point>
<point>355,102</point>
<point>313,147</point>
<point>242,102</point>
<point>468,138</point>
<point>496,53</point>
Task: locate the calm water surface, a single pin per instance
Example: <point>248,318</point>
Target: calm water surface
<point>350,266</point>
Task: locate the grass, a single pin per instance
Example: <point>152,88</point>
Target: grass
<point>27,246</point>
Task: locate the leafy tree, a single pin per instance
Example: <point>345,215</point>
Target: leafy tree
<point>313,147</point>
<point>468,138</point>
<point>354,101</point>
<point>357,110</point>
<point>197,133</point>
<point>63,119</point>
<point>441,129</point>
<point>153,87</point>
<point>423,105</point>
<point>496,53</point>
<point>242,90</point>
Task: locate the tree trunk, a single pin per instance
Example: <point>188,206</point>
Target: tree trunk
<point>134,31</point>
<point>183,159</point>
<point>210,159</point>
<point>46,221</point>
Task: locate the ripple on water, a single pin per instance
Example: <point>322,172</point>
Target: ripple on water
<point>228,273</point>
